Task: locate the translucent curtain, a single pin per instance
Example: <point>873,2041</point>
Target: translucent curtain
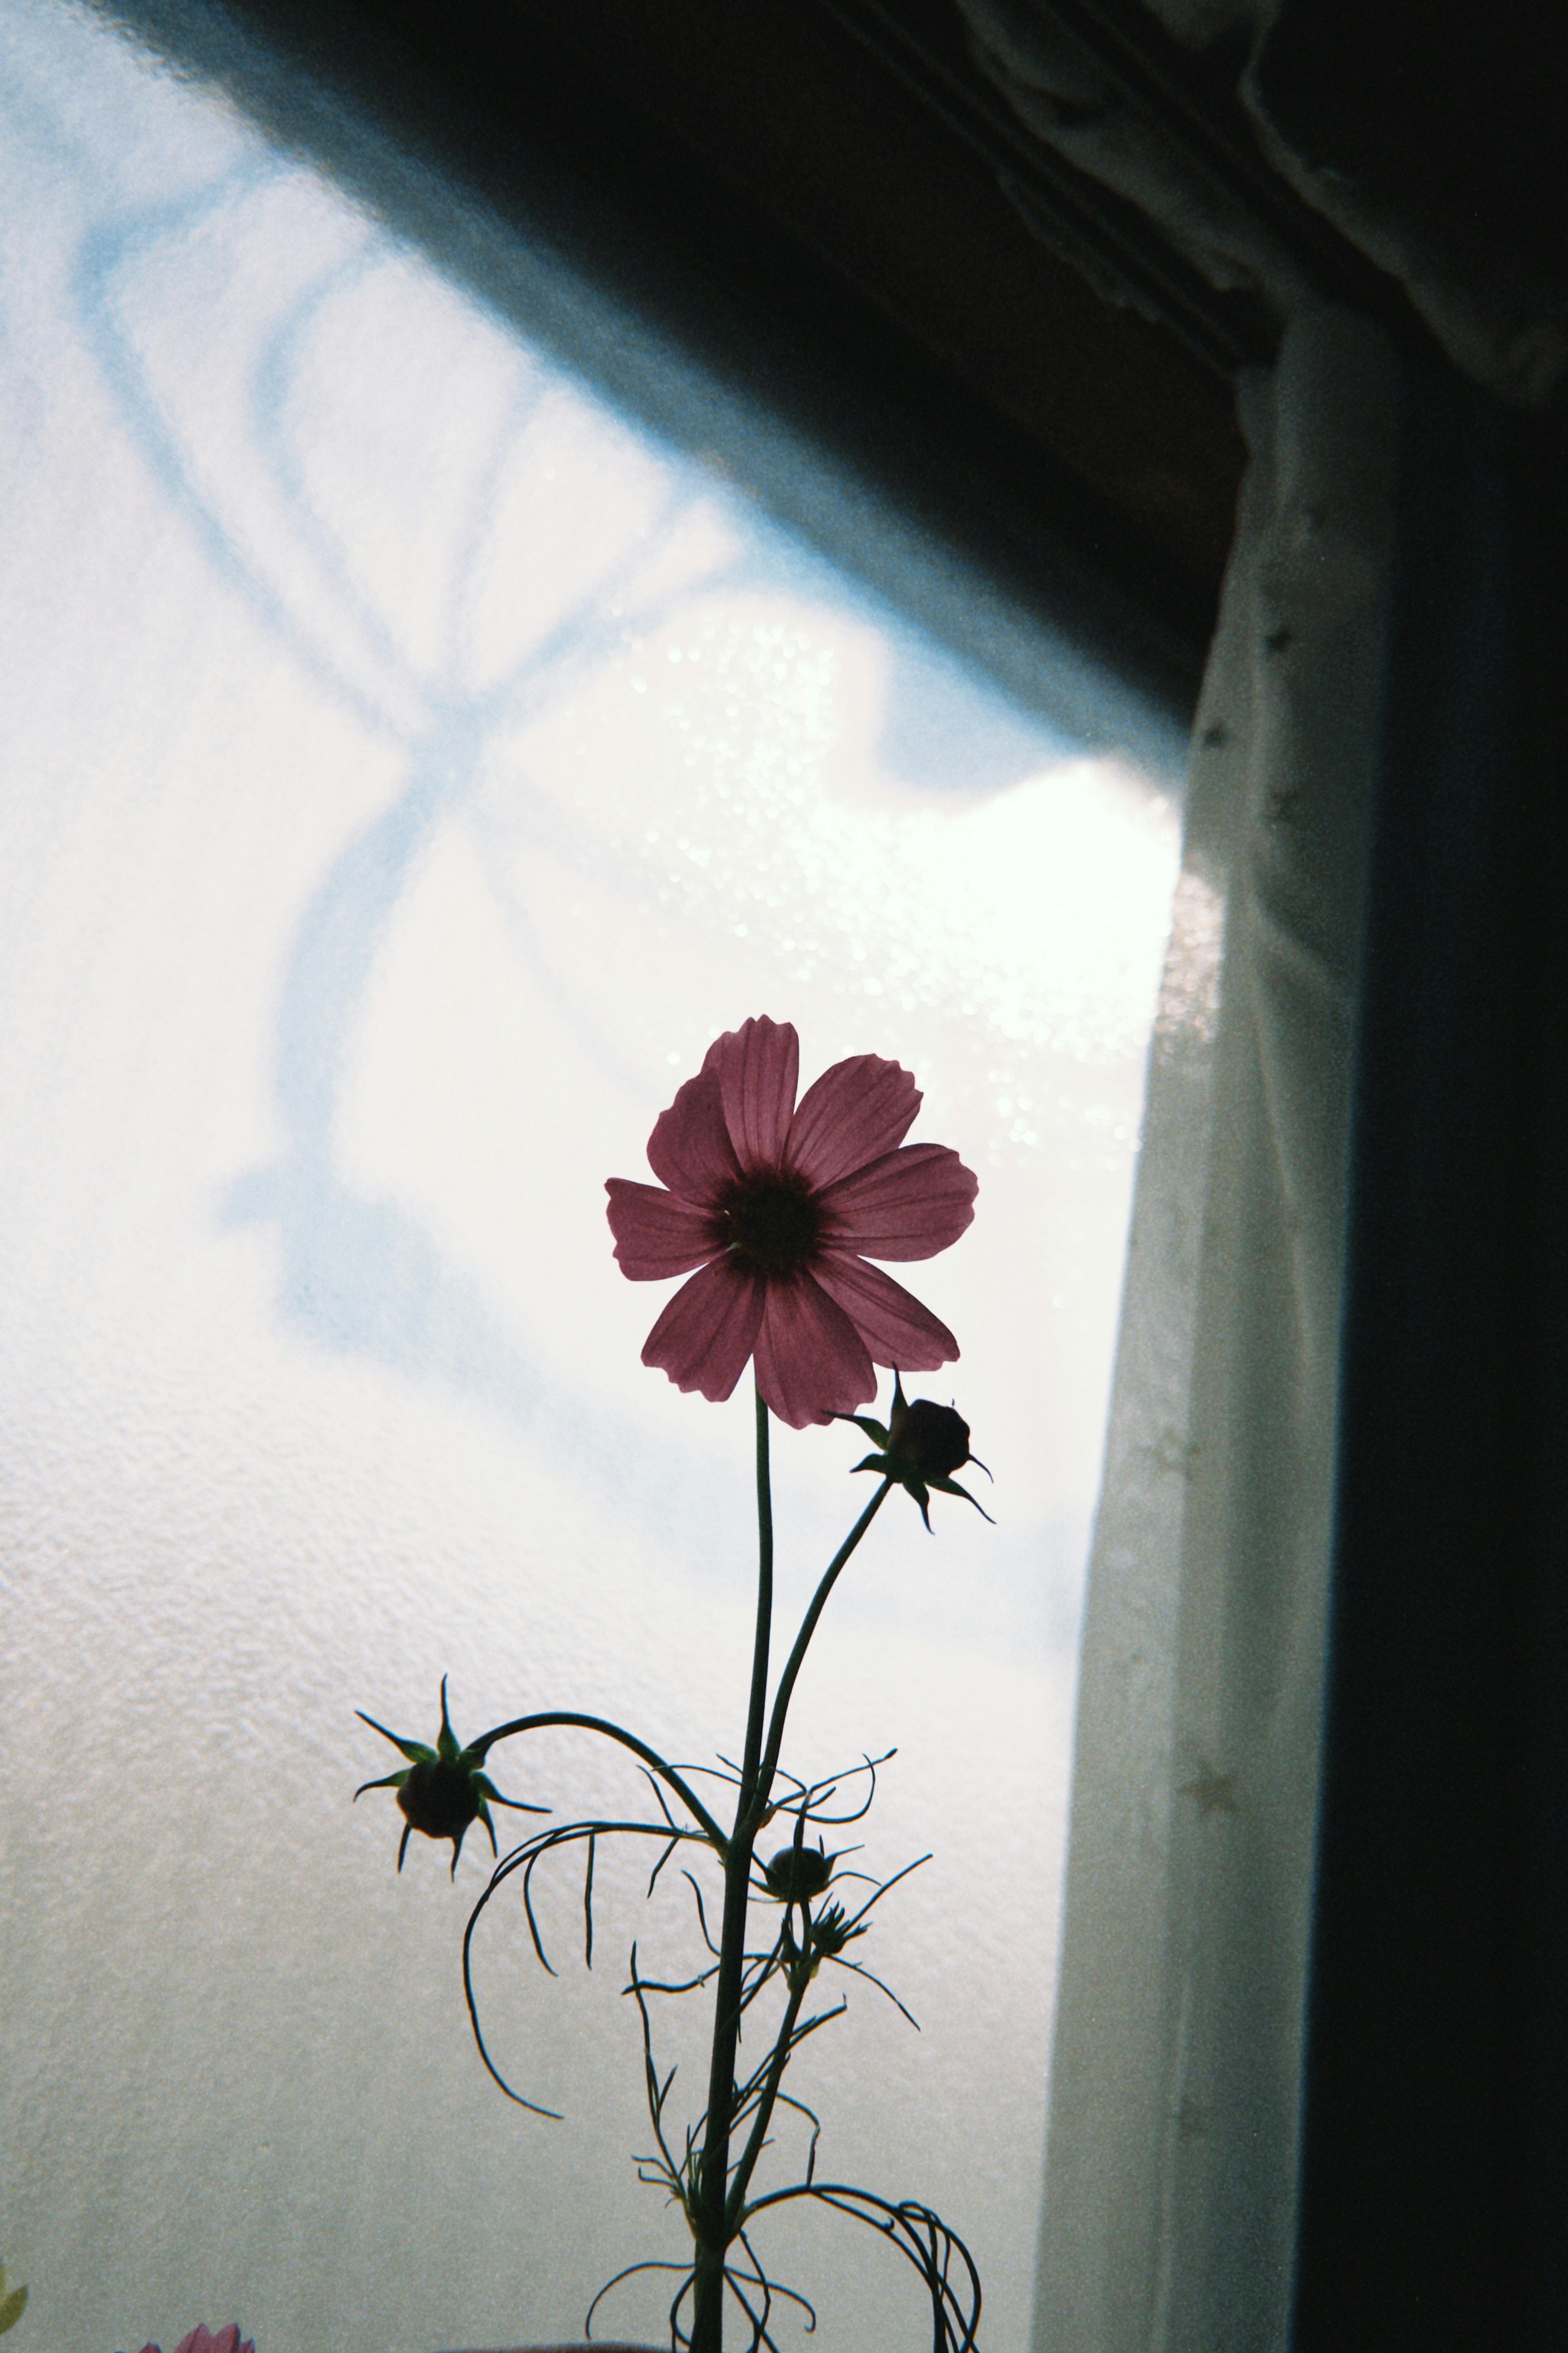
<point>1169,2190</point>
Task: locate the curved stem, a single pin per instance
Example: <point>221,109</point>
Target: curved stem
<point>487,1741</point>
<point>920,2236</point>
<point>802,1640</point>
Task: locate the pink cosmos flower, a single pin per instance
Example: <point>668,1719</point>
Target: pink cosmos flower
<point>780,1206</point>
<point>202,2341</point>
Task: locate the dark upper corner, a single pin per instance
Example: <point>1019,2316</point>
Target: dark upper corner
<point>831,201</point>
<point>751,174</point>
<point>1463,111</point>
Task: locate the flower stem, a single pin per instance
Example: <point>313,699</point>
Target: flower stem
<point>808,1629</point>
<point>709,2221</point>
<point>755,1713</point>
<point>478,1749</point>
<point>736,2207</point>
<point>717,2208</point>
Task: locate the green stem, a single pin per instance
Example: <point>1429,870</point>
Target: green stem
<point>714,2221</point>
<point>709,2221</point>
<point>802,1640</point>
<point>757,1710</point>
<point>479,1748</point>
<point>735,2210</point>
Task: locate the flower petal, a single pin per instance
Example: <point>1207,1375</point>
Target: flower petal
<point>854,1113</point>
<point>811,1361</point>
<point>709,1329</point>
<point>757,1066</point>
<point>690,1149</point>
<point>909,1204</point>
<point>656,1235</point>
<point>897,1329</point>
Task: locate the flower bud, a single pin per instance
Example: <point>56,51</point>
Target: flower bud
<point>830,1932</point>
<point>798,1873</point>
<point>442,1789</point>
<point>439,1799</point>
<point>932,1439</point>
<point>922,1446</point>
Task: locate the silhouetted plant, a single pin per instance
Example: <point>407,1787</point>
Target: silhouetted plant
<point>773,1210</point>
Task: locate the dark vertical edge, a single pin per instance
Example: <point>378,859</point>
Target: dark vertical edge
<point>1433,2141</point>
<point>1541,492</point>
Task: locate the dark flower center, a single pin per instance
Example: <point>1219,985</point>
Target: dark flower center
<point>770,1222</point>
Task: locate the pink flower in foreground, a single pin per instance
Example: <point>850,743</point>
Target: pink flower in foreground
<point>780,1206</point>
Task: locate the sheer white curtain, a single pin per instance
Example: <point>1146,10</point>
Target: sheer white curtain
<point>1171,2163</point>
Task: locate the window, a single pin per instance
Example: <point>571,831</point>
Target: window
<point>414,759</point>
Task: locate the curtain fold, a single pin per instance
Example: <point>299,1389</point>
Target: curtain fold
<point>1171,2174</point>
<point>1428,149</point>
